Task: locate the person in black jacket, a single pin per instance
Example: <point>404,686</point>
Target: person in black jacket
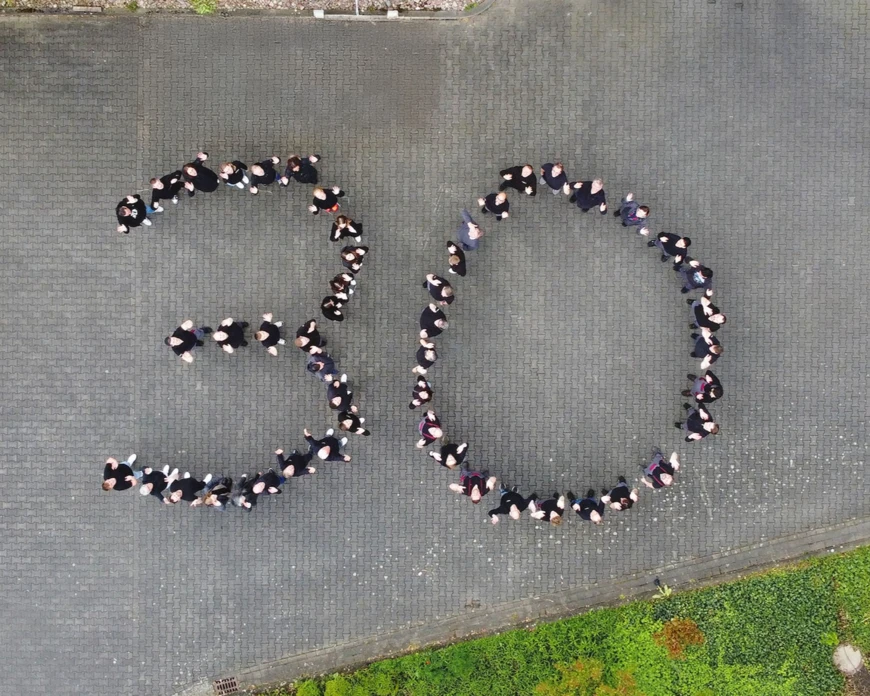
<point>495,203</point>
<point>588,508</point>
<point>268,483</point>
<point>589,194</point>
<point>705,389</point>
<point>330,307</point>
<point>245,497</point>
<point>344,228</point>
<point>350,422</point>
<point>551,510</point>
<point>185,338</point>
<point>294,464</point>
<point>430,429</point>
<point>231,335</point>
<point>422,394</point>
<point>352,257</point>
<point>521,178</point>
<point>166,188</point>
<point>432,322</point>
<point>707,348</point>
<point>671,245</point>
<point>264,174</point>
<point>233,174</point>
<point>440,289</point>
<point>327,448</point>
<point>343,286</point>
<point>186,488</point>
<point>217,494</point>
<point>198,177</point>
<point>699,423</point>
<point>512,504</point>
<point>474,484</point>
<point>553,175</point>
<point>322,366</point>
<point>302,169</point>
<point>695,276</point>
<point>339,394</point>
<point>270,334</point>
<point>706,315</point>
<point>132,212</point>
<point>120,477</point>
<point>659,473</point>
<point>456,259</point>
<point>154,482</point>
<point>325,200</point>
<point>308,338</point>
<point>426,357</point>
<point>620,497</point>
<point>450,455</point>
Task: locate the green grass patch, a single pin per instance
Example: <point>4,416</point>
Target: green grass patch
<point>772,634</point>
<point>203,7</point>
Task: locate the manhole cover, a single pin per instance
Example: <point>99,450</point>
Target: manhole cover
<point>226,687</point>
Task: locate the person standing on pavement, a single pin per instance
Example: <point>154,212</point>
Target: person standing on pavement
<point>330,307</point>
<point>186,488</point>
<point>343,285</point>
<point>245,497</point>
<point>132,212</point>
<point>671,245</point>
<point>456,259</point>
<point>469,234</point>
<point>120,477</point>
<point>327,448</point>
<point>620,497</point>
<point>308,338</point>
<point>339,395</point>
<point>551,510</point>
<point>322,366</point>
<point>432,322</point>
<point>154,482</point>
<point>430,429</point>
<point>474,484</point>
<point>440,289</point>
<point>185,338</point>
<point>269,334</point>
<point>495,203</point>
<point>695,276</point>
<point>325,199</point>
<point>352,257</point>
<point>218,493</point>
<point>166,188</point>
<point>707,348</point>
<point>450,455</point>
<point>233,174</point>
<point>699,423</point>
<point>706,315</point>
<point>345,228</point>
<point>588,508</point>
<point>426,357</point>
<point>633,215</point>
<point>553,175</point>
<point>705,389</point>
<point>264,174</point>
<point>589,194</point>
<point>512,504</point>
<point>522,178</point>
<point>198,177</point>
<point>422,394</point>
<point>659,473</point>
<point>231,335</point>
<point>294,464</point>
<point>302,169</point>
<point>349,421</point>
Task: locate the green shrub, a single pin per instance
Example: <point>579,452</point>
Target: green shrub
<point>203,7</point>
<point>338,686</point>
<point>308,688</point>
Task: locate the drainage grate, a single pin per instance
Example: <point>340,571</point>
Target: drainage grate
<point>226,687</point>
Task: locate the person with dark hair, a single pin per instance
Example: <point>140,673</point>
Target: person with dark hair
<point>245,497</point>
<point>522,178</point>
<point>707,348</point>
<point>469,234</point>
<point>695,276</point>
<point>633,215</point>
<point>268,483</point>
<point>302,169</point>
<point>620,497</point>
<point>671,245</point>
<point>511,504</point>
<point>699,423</point>
<point>432,321</point>
<point>343,285</point>
<point>456,259</point>
<point>440,289</point>
<point>294,464</point>
<point>216,494</point>
<point>264,174</point>
<point>422,394</point>
<point>185,338</point>
<point>588,508</point>
<point>350,422</point>
<point>187,488</point>
<point>450,455</point>
<point>166,188</point>
<point>659,473</point>
<point>426,357</point>
<point>339,394</point>
<point>308,338</point>
<point>322,366</point>
<point>328,448</point>
<point>551,510</point>
<point>553,175</point>
<point>705,389</point>
<point>430,429</point>
<point>474,484</point>
<point>352,257</point>
<point>198,177</point>
<point>495,203</point>
<point>154,482</point>
<point>330,307</point>
<point>120,477</point>
<point>344,228</point>
<point>231,335</point>
<point>706,315</point>
<point>233,174</point>
<point>269,334</point>
<point>132,212</point>
<point>589,194</point>
<point>325,199</point>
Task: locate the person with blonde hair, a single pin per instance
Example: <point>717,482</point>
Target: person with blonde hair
<point>166,188</point>
<point>325,199</point>
<point>550,510</point>
<point>154,482</point>
<point>456,259</point>
<point>328,448</point>
<point>233,173</point>
<point>659,473</point>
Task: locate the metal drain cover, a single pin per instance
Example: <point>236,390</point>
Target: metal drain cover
<point>226,687</point>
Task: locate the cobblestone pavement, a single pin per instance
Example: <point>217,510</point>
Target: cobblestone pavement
<point>743,125</point>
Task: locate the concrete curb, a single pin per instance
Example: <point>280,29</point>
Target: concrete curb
<point>692,574</point>
<point>97,11</point>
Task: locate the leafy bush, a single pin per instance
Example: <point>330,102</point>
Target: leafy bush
<point>203,7</point>
<point>308,688</point>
